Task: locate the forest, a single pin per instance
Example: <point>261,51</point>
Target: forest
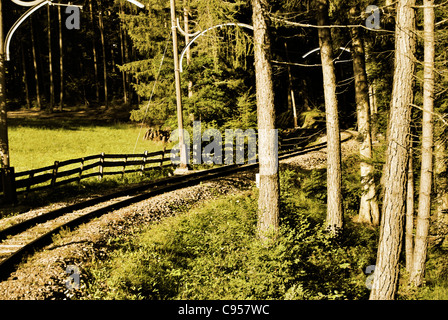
<point>376,68</point>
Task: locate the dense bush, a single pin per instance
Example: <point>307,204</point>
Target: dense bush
<point>212,252</point>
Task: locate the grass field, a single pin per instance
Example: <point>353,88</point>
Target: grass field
<point>35,144</point>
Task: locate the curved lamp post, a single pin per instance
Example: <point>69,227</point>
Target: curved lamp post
<point>199,34</point>
<point>36,6</point>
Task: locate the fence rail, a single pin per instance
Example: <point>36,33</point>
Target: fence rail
<point>75,170</point>
<point>100,165</point>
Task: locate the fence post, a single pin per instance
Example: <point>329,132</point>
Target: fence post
<point>81,169</point>
<point>55,173</point>
<point>124,166</point>
<point>142,168</point>
<point>101,166</point>
<point>163,156</point>
<point>9,185</point>
<point>30,182</point>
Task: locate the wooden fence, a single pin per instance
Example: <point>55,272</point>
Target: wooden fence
<point>74,170</point>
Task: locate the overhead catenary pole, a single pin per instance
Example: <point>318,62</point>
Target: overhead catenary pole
<point>187,40</point>
<point>182,147</point>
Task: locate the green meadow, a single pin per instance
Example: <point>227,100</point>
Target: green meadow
<point>35,144</point>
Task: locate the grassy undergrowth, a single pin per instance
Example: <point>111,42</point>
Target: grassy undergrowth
<point>435,286</point>
<point>212,252</point>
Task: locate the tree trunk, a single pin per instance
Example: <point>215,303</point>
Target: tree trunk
<point>127,58</point>
<point>123,61</point>
<point>103,46</point>
<point>441,169</point>
<point>50,62</point>
<point>391,231</point>
<point>334,221</point>
<point>291,98</point>
<point>424,203</point>
<point>303,95</point>
<point>95,56</point>
<point>373,111</point>
<point>4,145</point>
<point>409,231</point>
<point>368,210</point>
<point>36,71</point>
<point>268,200</point>
<point>61,62</point>
<point>25,79</point>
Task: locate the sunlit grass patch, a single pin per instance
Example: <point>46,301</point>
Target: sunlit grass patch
<point>38,143</point>
<point>35,147</point>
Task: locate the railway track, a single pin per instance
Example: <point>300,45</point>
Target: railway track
<point>23,238</point>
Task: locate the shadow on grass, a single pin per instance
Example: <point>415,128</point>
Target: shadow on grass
<point>62,123</point>
<point>71,118</point>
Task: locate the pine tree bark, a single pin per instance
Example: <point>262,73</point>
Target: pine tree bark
<point>424,203</point>
<point>36,70</point>
<point>103,46</point>
<point>391,231</point>
<point>61,62</point>
<point>409,230</point>
<point>95,55</point>
<point>123,61</point>
<point>4,144</point>
<point>373,110</point>
<point>441,170</point>
<point>303,95</point>
<point>25,78</point>
<point>369,210</point>
<point>268,200</point>
<point>50,62</point>
<point>291,98</point>
<point>334,220</point>
<point>127,58</point>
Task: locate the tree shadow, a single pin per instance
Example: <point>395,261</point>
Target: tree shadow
<point>68,119</point>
